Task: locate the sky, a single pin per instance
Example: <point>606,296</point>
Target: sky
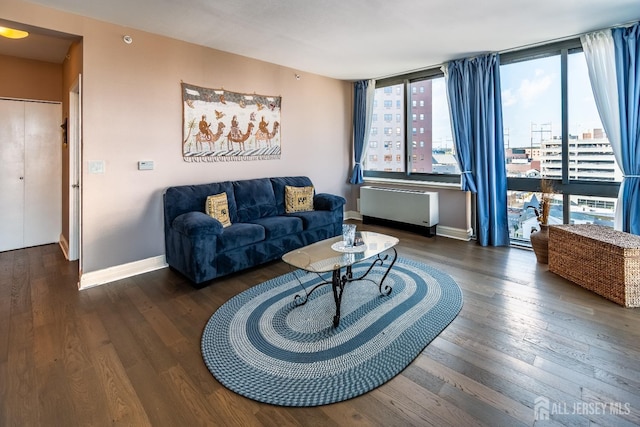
<point>531,100</point>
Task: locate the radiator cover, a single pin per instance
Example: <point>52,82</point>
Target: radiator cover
<point>414,207</point>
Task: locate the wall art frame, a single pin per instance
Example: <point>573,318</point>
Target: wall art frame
<point>220,125</point>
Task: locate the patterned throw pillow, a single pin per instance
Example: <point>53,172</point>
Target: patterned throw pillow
<point>217,207</point>
<point>298,199</point>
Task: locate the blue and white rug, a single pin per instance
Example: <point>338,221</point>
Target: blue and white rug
<point>261,345</point>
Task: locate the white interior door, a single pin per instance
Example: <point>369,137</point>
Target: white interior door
<point>11,174</point>
<point>31,174</point>
<point>43,174</point>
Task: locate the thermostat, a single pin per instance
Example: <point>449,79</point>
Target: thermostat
<point>145,165</point>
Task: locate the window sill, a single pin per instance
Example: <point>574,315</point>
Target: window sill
<point>413,183</point>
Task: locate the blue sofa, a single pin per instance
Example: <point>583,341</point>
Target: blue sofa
<point>200,248</point>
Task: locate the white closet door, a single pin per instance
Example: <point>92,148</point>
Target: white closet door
<point>30,174</point>
<point>43,180</point>
<point>11,174</point>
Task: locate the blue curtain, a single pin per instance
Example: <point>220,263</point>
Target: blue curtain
<point>627,53</point>
<point>359,128</point>
<point>473,89</point>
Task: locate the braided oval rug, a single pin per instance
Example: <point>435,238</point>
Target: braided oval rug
<point>261,345</point>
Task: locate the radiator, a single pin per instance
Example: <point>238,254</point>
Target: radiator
<point>412,207</point>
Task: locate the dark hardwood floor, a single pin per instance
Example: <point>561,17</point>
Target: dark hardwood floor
<point>128,353</point>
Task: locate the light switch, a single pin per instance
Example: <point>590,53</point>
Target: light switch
<point>96,166</point>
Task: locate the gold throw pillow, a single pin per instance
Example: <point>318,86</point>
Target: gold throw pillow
<point>217,207</point>
<point>298,199</point>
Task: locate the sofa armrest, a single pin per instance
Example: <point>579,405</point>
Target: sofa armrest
<point>327,202</point>
<point>196,223</point>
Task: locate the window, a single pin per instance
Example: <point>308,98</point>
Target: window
<point>426,105</point>
<point>552,130</point>
<point>388,117</point>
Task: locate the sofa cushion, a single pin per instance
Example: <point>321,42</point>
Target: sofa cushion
<point>314,219</point>
<point>217,207</point>
<point>278,226</point>
<point>238,235</point>
<point>254,199</point>
<point>278,188</point>
<point>298,199</point>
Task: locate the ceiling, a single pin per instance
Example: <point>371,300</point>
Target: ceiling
<point>356,39</point>
<point>41,44</point>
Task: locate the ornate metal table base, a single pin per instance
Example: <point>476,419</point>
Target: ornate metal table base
<point>339,281</point>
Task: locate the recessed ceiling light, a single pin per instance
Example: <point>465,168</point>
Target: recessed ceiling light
<point>11,33</point>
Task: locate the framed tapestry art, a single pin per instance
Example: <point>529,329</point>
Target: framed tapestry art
<point>219,125</point>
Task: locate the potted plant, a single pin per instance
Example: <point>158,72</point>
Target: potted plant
<point>540,238</point>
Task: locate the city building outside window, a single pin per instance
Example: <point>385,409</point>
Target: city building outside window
<point>541,142</point>
<point>434,156</point>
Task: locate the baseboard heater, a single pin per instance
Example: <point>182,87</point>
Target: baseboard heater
<point>413,210</point>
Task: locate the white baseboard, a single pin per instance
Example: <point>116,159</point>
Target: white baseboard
<point>118,272</point>
<point>64,245</point>
<point>111,274</point>
<point>454,233</point>
<point>352,215</point>
<point>441,230</point>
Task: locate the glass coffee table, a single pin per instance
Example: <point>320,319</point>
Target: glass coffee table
<point>331,255</point>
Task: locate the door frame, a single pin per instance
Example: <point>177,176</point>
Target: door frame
<point>74,134</point>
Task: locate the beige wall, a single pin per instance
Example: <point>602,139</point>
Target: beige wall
<point>132,111</point>
<point>29,79</point>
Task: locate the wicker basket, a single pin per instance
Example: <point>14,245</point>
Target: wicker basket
<point>598,258</point>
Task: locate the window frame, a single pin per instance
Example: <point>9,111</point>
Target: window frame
<point>406,80</point>
<point>565,186</point>
<point>568,187</point>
